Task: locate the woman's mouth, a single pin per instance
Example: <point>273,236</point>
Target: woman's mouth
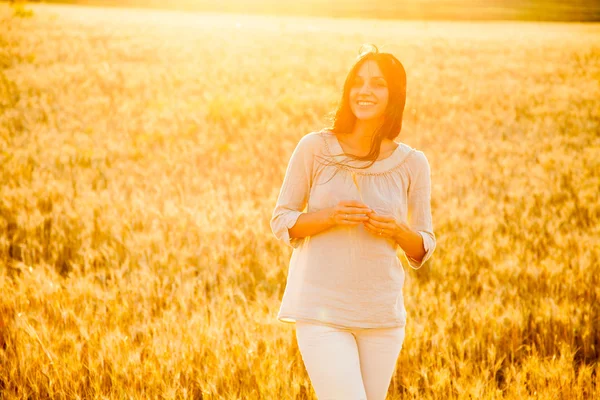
<point>365,103</point>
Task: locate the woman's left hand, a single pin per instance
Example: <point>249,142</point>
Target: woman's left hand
<point>383,226</point>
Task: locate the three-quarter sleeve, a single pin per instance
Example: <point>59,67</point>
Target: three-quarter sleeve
<point>419,208</point>
<point>294,192</point>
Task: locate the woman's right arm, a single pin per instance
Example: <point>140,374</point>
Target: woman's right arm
<point>289,223</point>
<point>286,224</point>
<point>347,212</point>
<point>311,223</point>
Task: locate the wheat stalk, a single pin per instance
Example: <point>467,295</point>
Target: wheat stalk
<point>356,184</point>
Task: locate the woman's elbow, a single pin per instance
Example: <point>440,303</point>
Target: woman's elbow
<point>280,226</point>
<point>429,244</point>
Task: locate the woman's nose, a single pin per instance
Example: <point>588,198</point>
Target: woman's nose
<point>365,89</point>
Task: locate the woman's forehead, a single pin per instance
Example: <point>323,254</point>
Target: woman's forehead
<point>369,69</point>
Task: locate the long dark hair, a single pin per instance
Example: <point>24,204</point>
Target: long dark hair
<point>343,117</point>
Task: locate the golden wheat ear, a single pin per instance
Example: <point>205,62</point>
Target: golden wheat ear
<point>356,184</point>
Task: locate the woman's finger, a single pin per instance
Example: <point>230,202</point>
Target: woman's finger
<point>381,218</point>
<point>376,231</point>
<point>376,228</point>
<point>370,226</point>
<point>378,224</point>
<point>356,217</point>
<point>356,210</point>
<point>353,219</point>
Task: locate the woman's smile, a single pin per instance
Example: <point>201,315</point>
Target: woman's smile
<point>366,103</point>
<point>369,93</point>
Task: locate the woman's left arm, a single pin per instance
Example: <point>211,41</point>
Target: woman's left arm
<point>417,238</point>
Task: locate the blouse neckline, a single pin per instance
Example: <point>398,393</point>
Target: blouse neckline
<point>391,162</point>
<point>380,160</point>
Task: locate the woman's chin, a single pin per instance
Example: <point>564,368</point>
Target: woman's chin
<point>367,116</point>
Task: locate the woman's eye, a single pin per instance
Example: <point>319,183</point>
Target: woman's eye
<point>378,83</point>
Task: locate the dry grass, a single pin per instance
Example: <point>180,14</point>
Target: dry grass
<point>141,154</point>
<point>464,10</point>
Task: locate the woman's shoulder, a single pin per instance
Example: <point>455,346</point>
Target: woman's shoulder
<point>311,142</point>
<point>420,158</point>
<point>417,160</point>
<point>313,137</point>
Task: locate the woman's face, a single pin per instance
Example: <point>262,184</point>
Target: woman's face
<point>369,92</point>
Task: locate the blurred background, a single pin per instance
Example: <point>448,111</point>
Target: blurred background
<point>142,150</point>
<point>532,10</point>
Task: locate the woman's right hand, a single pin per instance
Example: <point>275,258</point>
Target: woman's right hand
<point>349,212</point>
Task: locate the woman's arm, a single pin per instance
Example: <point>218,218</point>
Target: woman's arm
<point>311,223</point>
<point>346,212</point>
<point>293,195</point>
<point>412,243</point>
<point>418,239</point>
<point>289,223</point>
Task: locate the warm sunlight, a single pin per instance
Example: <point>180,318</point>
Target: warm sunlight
<point>532,10</point>
<point>142,151</point>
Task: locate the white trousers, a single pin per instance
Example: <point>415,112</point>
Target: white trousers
<point>349,363</point>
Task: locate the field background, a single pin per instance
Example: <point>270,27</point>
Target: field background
<point>141,155</point>
<point>531,10</point>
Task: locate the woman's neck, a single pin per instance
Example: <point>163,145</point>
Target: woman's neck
<point>361,135</point>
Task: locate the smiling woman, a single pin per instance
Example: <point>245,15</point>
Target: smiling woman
<point>344,286</point>
<point>369,92</point>
<point>373,100</point>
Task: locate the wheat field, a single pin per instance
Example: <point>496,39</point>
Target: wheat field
<point>141,155</point>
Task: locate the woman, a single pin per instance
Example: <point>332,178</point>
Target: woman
<point>344,286</point>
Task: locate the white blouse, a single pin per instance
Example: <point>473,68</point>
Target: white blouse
<point>346,276</point>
